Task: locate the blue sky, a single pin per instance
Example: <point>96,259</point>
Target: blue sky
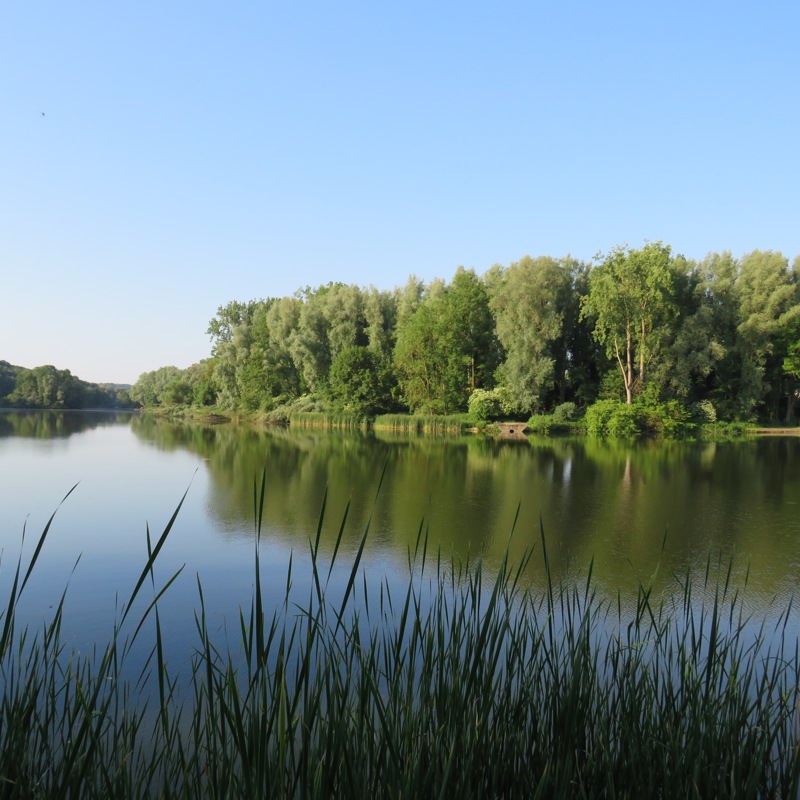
<point>195,153</point>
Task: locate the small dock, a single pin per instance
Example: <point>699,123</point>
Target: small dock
<point>511,430</point>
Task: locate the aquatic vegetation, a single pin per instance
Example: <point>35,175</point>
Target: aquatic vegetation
<point>423,423</point>
<point>467,682</point>
<point>324,419</point>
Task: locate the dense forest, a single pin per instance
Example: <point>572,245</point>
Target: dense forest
<point>48,387</point>
<point>642,326</point>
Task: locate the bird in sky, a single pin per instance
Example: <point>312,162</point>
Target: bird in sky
<point>42,113</point>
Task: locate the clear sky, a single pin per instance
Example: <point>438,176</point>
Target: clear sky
<point>193,153</point>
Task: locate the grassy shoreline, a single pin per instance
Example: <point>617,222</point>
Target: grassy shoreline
<point>463,683</point>
<point>452,425</point>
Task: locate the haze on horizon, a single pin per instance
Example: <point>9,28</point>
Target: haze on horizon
<point>161,160</point>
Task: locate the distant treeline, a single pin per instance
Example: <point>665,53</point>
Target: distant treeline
<point>48,387</point>
<point>635,326</point>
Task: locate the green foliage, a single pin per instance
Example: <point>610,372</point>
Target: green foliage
<point>541,423</point>
<point>625,422</point>
<point>726,431</point>
<point>630,299</point>
<point>360,381</point>
<point>640,325</point>
<point>768,295</point>
<point>598,416</point>
<point>305,404</point>
<point>791,364</point>
<point>446,348</point>
<point>48,387</point>
<point>703,413</point>
<point>670,419</point>
<point>529,301</point>
<point>8,380</point>
<point>327,419</point>
<point>564,419</point>
<point>566,412</point>
<point>618,420</point>
<point>485,405</point>
<point>423,423</point>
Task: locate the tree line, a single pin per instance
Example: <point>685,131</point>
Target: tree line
<point>48,387</point>
<point>635,325</point>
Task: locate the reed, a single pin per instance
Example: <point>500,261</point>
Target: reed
<point>437,424</point>
<point>468,683</point>
<point>325,419</point>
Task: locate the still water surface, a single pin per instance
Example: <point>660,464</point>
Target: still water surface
<point>631,508</point>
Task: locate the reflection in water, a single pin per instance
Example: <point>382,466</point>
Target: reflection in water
<point>598,500</point>
<point>56,424</point>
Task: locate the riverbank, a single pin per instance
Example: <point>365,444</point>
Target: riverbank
<point>463,424</point>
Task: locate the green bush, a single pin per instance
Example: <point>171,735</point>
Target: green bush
<point>670,420</point>
<point>485,405</point>
<point>704,413</point>
<point>305,404</point>
<point>726,430</point>
<point>541,423</point>
<point>598,415</point>
<point>566,412</point>
<point>624,422</point>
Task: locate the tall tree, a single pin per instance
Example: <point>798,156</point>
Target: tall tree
<point>420,358</point>
<point>791,366</point>
<point>769,307</point>
<point>446,348</point>
<point>630,295</point>
<point>529,301</point>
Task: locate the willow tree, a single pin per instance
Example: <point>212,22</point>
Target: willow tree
<point>630,295</point>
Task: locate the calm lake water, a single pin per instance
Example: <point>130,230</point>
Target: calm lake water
<point>630,508</point>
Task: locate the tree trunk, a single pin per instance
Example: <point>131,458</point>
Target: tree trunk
<point>641,354</point>
<point>790,401</point>
<point>629,376</point>
<point>626,376</point>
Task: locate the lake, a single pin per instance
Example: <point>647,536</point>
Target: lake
<point>643,511</point>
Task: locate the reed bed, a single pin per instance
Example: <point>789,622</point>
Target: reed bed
<point>436,424</point>
<point>465,684</point>
<point>324,419</point>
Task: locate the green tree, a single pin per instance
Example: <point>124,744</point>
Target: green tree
<point>791,366</point>
<point>769,308</point>
<point>150,388</point>
<point>47,387</point>
<point>529,301</point>
<point>360,381</point>
<point>630,296</point>
<point>380,316</point>
<point>420,358</point>
<point>447,348</point>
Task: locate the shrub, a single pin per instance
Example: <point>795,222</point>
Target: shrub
<point>541,423</point>
<point>484,405</point>
<point>598,415</point>
<point>624,422</point>
<point>670,419</point>
<point>703,412</point>
<point>566,412</point>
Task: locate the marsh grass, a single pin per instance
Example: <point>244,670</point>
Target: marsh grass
<point>464,684</point>
<point>436,424</point>
<point>325,419</point>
